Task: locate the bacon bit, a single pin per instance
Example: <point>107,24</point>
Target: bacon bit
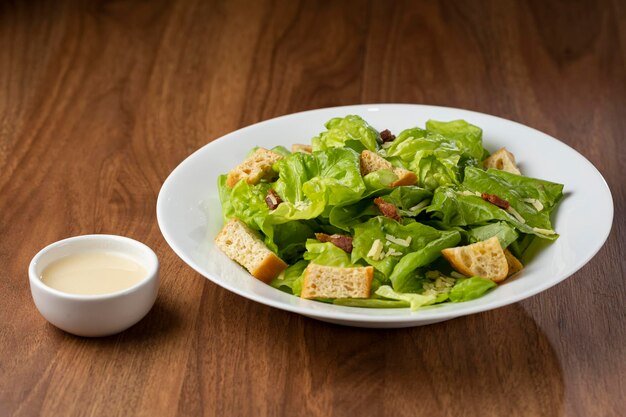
<point>386,136</point>
<point>387,209</point>
<point>341,241</point>
<point>495,200</point>
<point>272,199</point>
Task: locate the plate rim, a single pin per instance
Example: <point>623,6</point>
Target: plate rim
<point>345,315</point>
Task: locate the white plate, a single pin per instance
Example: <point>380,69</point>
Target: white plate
<point>189,214</point>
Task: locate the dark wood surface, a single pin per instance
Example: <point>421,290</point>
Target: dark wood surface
<point>99,101</point>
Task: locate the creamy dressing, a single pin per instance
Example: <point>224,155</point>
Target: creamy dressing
<point>93,273</point>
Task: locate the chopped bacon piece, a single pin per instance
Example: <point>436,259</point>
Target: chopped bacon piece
<point>272,199</point>
<point>495,200</point>
<point>386,136</point>
<point>341,241</point>
<point>387,209</point>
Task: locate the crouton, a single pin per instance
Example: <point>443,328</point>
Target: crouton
<point>485,259</point>
<point>256,167</point>
<point>333,282</point>
<point>514,264</point>
<point>502,160</point>
<point>298,147</point>
<point>242,245</point>
<point>371,162</point>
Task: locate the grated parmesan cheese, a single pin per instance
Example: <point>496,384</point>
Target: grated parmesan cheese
<point>376,250</point>
<point>516,214</point>
<point>443,283</point>
<point>301,205</point>
<point>470,193</point>
<point>401,242</point>
<point>392,252</point>
<point>456,275</point>
<point>535,203</point>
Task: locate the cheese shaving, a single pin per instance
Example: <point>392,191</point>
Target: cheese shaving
<point>470,193</point>
<point>401,242</point>
<point>516,214</point>
<point>443,283</point>
<point>456,275</point>
<point>301,205</point>
<point>535,203</point>
<point>393,252</point>
<point>376,250</point>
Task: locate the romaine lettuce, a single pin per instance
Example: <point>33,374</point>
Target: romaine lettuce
<point>467,137</point>
<point>311,184</point>
<point>410,247</point>
<point>350,131</point>
<point>469,289</point>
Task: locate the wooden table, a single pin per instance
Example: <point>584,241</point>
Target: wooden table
<point>99,101</point>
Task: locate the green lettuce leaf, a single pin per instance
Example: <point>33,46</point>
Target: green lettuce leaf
<point>433,157</point>
<point>224,192</point>
<point>281,150</point>
<point>345,217</point>
<point>290,280</point>
<point>350,131</point>
<point>493,182</point>
<point>379,182</point>
<point>467,137</point>
<point>456,209</point>
<point>469,289</point>
<point>311,184</point>
<point>415,300</point>
<point>410,200</point>
<point>248,204</point>
<point>548,193</point>
<point>506,233</point>
<point>326,254</point>
<point>434,172</point>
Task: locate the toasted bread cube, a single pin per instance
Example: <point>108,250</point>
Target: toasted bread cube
<point>332,282</point>
<point>371,162</point>
<point>485,259</point>
<point>405,177</point>
<point>298,147</point>
<point>514,264</point>
<point>241,244</point>
<point>502,160</point>
<point>256,167</point>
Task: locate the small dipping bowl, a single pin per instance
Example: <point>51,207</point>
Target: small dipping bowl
<point>102,314</point>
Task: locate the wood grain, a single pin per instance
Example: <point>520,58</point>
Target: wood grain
<point>101,100</point>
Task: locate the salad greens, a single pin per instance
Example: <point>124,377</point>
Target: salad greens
<point>325,192</point>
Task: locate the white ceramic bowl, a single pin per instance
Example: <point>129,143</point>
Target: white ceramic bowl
<point>189,211</point>
<point>95,315</point>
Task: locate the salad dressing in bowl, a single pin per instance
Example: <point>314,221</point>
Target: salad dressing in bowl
<point>93,273</point>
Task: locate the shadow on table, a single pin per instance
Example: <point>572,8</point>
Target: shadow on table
<point>160,322</point>
<point>498,362</point>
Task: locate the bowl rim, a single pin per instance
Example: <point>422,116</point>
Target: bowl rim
<point>152,267</point>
